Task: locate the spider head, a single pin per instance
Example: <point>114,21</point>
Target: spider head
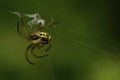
<point>39,37</point>
<point>45,37</point>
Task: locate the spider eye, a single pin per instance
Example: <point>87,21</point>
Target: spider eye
<point>34,37</point>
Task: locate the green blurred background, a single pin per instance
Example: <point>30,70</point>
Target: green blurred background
<point>86,43</point>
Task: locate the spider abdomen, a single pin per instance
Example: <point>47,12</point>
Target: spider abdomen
<point>40,37</point>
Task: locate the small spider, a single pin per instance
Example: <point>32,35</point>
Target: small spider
<point>38,38</point>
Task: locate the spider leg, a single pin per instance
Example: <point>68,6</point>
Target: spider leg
<point>41,46</point>
<point>26,54</point>
<point>41,56</point>
<point>22,20</point>
<point>20,24</point>
<point>48,48</point>
<point>23,25</point>
<point>46,26</point>
<point>50,23</point>
<point>39,27</point>
<point>18,29</point>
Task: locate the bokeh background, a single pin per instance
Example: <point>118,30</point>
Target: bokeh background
<point>86,43</point>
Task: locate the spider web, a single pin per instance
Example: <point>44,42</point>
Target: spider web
<point>36,20</point>
<point>89,45</point>
<point>78,42</point>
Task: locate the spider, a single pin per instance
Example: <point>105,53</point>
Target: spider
<point>38,39</point>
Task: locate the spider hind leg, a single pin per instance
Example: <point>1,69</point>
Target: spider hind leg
<point>48,48</point>
<point>37,56</point>
<point>26,54</point>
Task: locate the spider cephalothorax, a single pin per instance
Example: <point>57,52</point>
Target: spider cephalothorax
<point>38,38</point>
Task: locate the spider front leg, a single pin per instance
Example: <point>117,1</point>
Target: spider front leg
<point>26,53</point>
<point>18,28</point>
<point>20,24</point>
<point>51,22</point>
<point>46,26</point>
